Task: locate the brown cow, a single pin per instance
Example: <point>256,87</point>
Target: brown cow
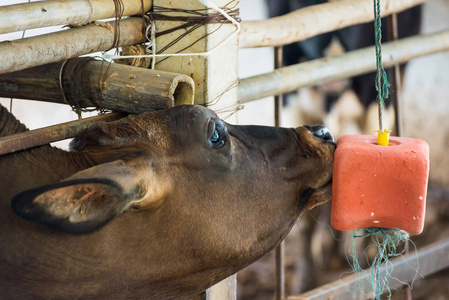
<point>156,206</point>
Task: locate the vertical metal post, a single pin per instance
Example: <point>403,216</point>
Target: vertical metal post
<point>278,57</point>
<point>396,82</point>
<point>397,96</point>
<point>280,272</point>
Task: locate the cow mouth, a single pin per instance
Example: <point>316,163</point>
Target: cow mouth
<point>314,197</point>
<point>304,198</point>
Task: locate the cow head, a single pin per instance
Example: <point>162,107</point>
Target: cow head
<point>236,188</point>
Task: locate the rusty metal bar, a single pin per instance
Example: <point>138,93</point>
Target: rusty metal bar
<point>429,260</point>
<point>280,250</point>
<point>42,136</point>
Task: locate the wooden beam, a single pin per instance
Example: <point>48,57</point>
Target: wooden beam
<point>30,15</point>
<point>314,20</point>
<point>53,47</point>
<point>86,82</point>
<point>315,72</point>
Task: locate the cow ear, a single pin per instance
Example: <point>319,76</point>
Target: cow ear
<point>72,206</point>
<point>91,198</point>
<point>98,135</point>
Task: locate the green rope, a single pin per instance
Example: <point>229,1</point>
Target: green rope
<point>386,242</point>
<point>382,84</point>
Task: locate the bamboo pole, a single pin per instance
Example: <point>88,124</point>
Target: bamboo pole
<point>24,16</point>
<point>347,65</point>
<point>46,135</point>
<point>314,20</point>
<point>39,50</point>
<point>86,82</point>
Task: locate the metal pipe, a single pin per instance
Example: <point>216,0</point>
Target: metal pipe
<point>396,85</point>
<point>278,57</point>
<point>46,135</point>
<point>429,260</point>
<point>280,271</point>
<point>396,80</point>
<point>315,72</point>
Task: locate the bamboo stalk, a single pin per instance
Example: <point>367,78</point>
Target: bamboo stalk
<point>86,82</point>
<point>61,12</point>
<point>46,135</point>
<point>315,72</point>
<point>314,20</point>
<point>39,50</point>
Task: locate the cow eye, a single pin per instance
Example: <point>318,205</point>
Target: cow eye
<point>217,138</point>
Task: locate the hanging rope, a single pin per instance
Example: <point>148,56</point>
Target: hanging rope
<point>382,84</point>
<point>386,241</point>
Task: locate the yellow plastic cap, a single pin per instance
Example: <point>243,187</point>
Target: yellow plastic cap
<point>383,137</point>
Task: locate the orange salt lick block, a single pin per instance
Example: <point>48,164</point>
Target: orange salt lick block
<point>379,186</point>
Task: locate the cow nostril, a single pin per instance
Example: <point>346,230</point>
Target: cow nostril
<point>321,132</point>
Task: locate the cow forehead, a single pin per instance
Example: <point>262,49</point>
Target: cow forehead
<point>183,114</point>
<point>159,127</point>
<point>190,109</point>
<point>190,115</point>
